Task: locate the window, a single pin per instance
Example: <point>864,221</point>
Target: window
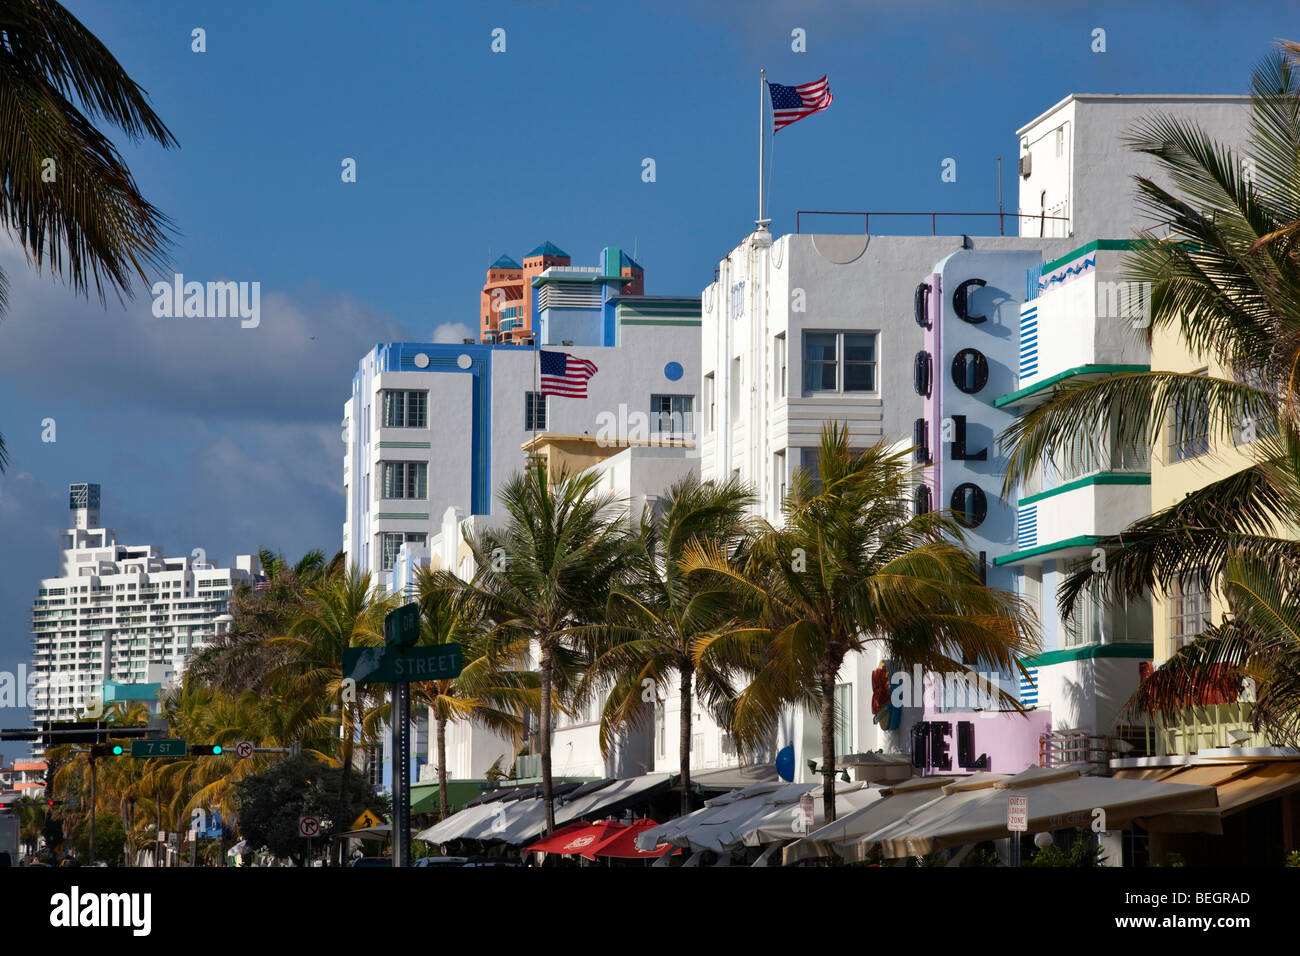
<point>406,409</point>
<point>779,478</point>
<point>779,363</point>
<point>734,385</point>
<point>661,730</point>
<point>391,543</point>
<point>534,411</point>
<point>672,415</point>
<point>405,479</point>
<point>811,458</point>
<point>1060,141</point>
<point>1189,610</point>
<point>710,403</point>
<point>843,719</point>
<point>839,362</point>
<point>1189,430</point>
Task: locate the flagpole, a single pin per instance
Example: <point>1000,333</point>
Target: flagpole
<point>762,83</point>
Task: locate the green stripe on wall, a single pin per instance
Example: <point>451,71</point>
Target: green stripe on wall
<point>1080,541</point>
<point>1103,478</point>
<point>1068,373</point>
<point>404,444</point>
<point>695,322</point>
<point>1111,244</point>
<point>1090,652</point>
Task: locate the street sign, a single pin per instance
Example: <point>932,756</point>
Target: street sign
<point>1017,814</point>
<point>402,626</point>
<point>308,826</point>
<point>401,665</point>
<point>244,749</point>
<point>158,748</point>
<point>367,819</point>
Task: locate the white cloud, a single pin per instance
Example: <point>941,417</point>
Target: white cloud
<point>453,333</point>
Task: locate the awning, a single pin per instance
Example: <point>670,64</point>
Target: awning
<point>1239,786</point>
<point>516,822</point>
<point>756,815</point>
<point>378,833</point>
<point>734,778</point>
<point>1058,799</point>
<point>424,796</point>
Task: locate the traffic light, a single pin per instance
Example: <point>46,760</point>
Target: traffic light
<point>106,750</point>
<point>206,750</point>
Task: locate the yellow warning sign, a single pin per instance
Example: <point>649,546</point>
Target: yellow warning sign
<point>367,819</point>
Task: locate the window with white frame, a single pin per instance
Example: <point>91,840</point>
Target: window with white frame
<point>406,409</point>
<point>661,730</point>
<point>1188,430</point>
<point>534,411</point>
<point>405,479</point>
<point>843,719</point>
<point>710,403</point>
<point>391,542</point>
<point>779,480</point>
<point>672,415</point>
<point>839,362</point>
<point>779,363</point>
<point>1189,609</point>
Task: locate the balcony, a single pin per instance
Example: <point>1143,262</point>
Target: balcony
<point>1068,521</point>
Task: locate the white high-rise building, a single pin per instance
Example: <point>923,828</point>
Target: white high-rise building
<point>120,614</point>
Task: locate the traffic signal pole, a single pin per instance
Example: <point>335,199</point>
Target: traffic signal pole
<point>401,775</point>
<point>92,809</point>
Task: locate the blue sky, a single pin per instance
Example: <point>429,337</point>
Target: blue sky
<point>204,434</point>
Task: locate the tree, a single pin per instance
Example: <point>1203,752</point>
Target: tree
<point>546,578</point>
<point>493,689</point>
<point>1226,280</point>
<point>656,616</point>
<point>339,613</point>
<point>68,197</point>
<point>271,801</point>
<point>851,567</point>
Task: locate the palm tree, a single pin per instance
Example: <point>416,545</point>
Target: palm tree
<point>1226,280</point>
<point>69,199</point>
<point>655,618</point>
<point>546,578</point>
<point>492,690</point>
<point>325,710</point>
<point>851,567</point>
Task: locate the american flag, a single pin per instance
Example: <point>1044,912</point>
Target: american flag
<point>565,374</point>
<point>792,103</point>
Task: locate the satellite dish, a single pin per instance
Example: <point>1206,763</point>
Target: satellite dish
<point>785,763</point>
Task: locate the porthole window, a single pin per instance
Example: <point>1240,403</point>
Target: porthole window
<point>921,500</point>
<point>970,370</point>
<point>921,373</point>
<point>961,301</point>
<point>920,438</point>
<point>969,506</point>
<point>921,305</point>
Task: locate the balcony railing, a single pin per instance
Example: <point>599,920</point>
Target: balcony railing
<point>1001,217</point>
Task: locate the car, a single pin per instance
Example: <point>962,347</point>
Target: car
<point>372,861</point>
<point>427,861</point>
<point>492,861</point>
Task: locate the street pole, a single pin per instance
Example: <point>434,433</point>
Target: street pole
<point>401,775</point>
<point>92,810</point>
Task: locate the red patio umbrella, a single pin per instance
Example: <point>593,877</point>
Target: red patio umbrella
<point>622,843</point>
<point>577,838</point>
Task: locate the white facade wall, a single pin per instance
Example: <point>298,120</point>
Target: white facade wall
<point>1082,169</point>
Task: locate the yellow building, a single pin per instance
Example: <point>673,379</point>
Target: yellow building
<point>1190,455</point>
